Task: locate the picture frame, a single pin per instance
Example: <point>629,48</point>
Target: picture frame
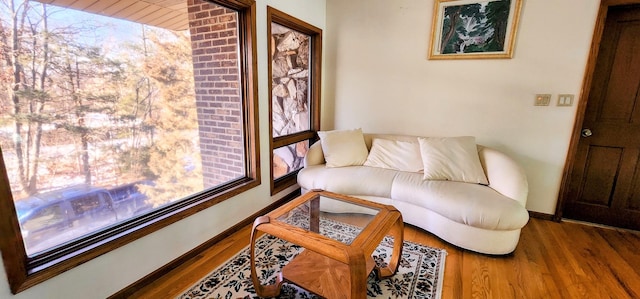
<point>482,29</point>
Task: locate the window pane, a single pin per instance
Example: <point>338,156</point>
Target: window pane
<point>289,158</point>
<point>290,80</point>
<point>126,119</point>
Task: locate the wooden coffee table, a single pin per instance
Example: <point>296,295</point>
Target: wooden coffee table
<point>328,267</point>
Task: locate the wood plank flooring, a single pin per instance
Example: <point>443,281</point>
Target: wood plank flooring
<point>552,260</point>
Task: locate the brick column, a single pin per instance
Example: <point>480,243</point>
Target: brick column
<point>214,44</point>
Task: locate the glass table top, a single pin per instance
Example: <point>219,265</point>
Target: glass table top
<point>330,217</point>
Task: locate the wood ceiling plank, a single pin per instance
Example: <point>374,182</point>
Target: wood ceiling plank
<point>116,7</point>
<point>63,3</point>
<point>165,3</point>
<point>159,15</point>
<point>83,4</point>
<point>99,6</point>
<point>173,20</point>
<point>45,1</point>
<point>177,7</point>
<point>169,14</point>
<point>141,16</point>
<point>177,21</point>
<point>132,10</point>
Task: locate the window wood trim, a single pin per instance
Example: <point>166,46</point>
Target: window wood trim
<point>21,273</point>
<point>315,33</point>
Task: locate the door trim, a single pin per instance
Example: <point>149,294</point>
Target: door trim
<point>584,97</point>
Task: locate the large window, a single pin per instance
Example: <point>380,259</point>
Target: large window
<point>294,68</point>
<point>115,126</point>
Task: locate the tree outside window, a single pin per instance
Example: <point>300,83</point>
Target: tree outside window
<point>109,125</point>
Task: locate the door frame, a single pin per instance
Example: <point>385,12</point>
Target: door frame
<point>584,98</point>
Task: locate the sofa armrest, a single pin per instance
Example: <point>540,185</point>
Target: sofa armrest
<point>315,155</point>
<point>504,174</point>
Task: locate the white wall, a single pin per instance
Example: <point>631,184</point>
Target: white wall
<point>379,79</point>
<point>111,272</point>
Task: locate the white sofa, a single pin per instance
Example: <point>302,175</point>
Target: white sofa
<point>481,218</point>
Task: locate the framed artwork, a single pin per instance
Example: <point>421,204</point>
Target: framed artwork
<point>474,29</point>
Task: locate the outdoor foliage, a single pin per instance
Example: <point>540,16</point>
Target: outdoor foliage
<point>80,109</point>
<point>479,27</point>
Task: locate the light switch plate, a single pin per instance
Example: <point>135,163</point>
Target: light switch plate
<point>542,100</point>
<point>565,100</point>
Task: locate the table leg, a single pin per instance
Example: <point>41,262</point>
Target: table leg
<point>357,273</point>
<point>314,215</point>
<point>262,290</point>
<point>397,231</point>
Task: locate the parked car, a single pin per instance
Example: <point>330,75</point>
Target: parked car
<point>62,215</point>
<point>128,200</point>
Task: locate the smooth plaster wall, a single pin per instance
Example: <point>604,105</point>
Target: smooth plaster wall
<point>109,273</point>
<point>379,79</point>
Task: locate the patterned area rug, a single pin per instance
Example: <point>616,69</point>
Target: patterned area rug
<point>420,270</point>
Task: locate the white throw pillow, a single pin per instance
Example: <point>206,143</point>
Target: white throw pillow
<point>395,154</point>
<point>452,158</point>
<point>343,148</point>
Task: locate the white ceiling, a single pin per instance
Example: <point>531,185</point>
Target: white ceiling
<point>169,14</point>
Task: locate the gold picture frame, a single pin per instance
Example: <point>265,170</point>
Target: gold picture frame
<point>481,29</point>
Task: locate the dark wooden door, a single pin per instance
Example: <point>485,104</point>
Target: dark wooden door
<point>604,186</point>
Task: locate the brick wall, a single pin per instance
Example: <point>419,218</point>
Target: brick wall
<point>214,44</point>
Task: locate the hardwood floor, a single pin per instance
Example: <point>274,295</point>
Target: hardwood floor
<point>553,260</point>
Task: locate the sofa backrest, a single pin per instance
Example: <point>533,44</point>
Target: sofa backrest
<point>368,138</point>
<point>504,174</point>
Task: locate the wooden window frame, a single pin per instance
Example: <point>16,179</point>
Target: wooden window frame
<point>315,33</point>
<point>24,272</point>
